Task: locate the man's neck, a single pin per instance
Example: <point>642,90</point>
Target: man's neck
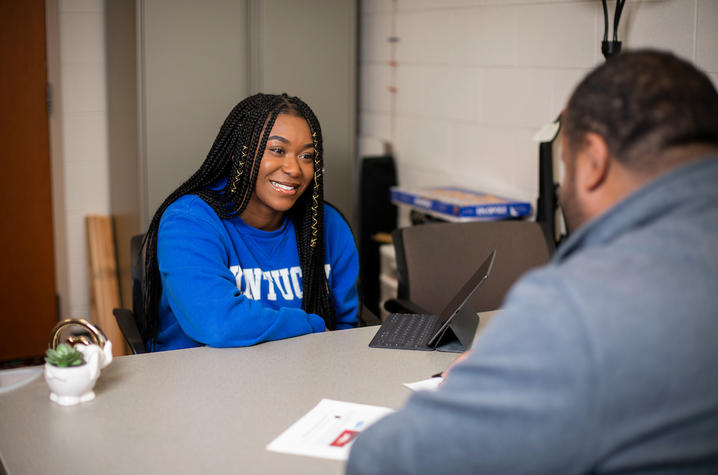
<point>672,158</point>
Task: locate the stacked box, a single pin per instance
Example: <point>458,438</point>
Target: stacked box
<point>458,204</point>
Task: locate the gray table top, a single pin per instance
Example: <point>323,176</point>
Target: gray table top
<point>205,410</point>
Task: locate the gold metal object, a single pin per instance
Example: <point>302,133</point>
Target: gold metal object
<point>96,336</point>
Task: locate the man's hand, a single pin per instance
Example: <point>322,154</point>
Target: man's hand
<point>458,360</point>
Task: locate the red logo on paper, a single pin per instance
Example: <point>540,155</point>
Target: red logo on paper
<point>344,438</point>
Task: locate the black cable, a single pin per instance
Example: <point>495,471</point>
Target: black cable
<point>605,21</point>
<point>617,17</point>
<point>611,48</point>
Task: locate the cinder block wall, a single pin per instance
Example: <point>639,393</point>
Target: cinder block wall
<point>82,107</point>
<point>474,79</point>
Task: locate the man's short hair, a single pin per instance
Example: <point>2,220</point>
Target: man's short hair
<point>642,103</point>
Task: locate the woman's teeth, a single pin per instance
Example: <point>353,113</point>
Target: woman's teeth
<point>281,187</point>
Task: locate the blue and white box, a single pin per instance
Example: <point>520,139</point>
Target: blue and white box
<point>456,203</point>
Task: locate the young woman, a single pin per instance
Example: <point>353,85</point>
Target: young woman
<point>246,250</point>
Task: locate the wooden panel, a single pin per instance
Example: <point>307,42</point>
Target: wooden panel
<point>102,277</point>
<point>28,304</point>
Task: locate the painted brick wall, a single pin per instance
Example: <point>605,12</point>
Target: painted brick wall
<point>475,79</point>
<point>84,130</point>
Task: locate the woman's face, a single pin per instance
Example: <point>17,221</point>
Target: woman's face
<point>285,172</point>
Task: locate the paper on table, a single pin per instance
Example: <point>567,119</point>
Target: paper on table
<point>328,430</point>
<point>431,384</point>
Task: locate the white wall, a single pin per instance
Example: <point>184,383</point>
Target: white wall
<point>319,66</point>
<point>83,159</point>
<point>192,60</point>
<point>475,79</point>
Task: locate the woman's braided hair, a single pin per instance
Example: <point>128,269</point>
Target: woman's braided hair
<point>243,136</point>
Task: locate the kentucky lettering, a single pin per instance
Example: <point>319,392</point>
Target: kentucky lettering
<point>258,284</point>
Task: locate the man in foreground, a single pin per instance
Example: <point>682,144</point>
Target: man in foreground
<point>605,360</point>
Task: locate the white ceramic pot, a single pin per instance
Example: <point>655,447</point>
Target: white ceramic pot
<point>71,385</point>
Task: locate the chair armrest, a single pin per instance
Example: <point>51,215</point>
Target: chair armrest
<point>128,326</point>
<point>403,306</point>
<point>367,317</point>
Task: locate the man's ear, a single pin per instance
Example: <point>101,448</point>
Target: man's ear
<point>592,173</point>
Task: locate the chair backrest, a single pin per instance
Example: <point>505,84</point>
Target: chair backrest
<point>365,315</point>
<point>435,260</point>
<point>129,321</point>
<point>137,271</point>
<point>376,214</point>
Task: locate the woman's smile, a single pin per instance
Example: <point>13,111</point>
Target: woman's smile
<point>284,187</point>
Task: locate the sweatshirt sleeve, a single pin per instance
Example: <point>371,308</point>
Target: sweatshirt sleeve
<point>202,291</point>
<point>523,402</point>
<point>344,260</point>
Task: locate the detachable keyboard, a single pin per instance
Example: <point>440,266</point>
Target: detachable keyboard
<point>406,331</point>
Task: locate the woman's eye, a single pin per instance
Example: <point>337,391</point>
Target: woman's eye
<point>307,156</point>
<point>277,150</point>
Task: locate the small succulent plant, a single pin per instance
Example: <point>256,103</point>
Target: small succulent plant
<point>63,356</point>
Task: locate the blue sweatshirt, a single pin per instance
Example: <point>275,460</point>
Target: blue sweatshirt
<point>225,283</point>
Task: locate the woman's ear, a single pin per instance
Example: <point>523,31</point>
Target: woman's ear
<point>594,163</point>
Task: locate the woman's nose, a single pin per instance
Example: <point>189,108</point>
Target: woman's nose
<point>291,166</point>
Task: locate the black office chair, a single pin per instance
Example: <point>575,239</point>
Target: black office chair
<point>366,315</point>
<point>435,260</point>
<point>127,319</point>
